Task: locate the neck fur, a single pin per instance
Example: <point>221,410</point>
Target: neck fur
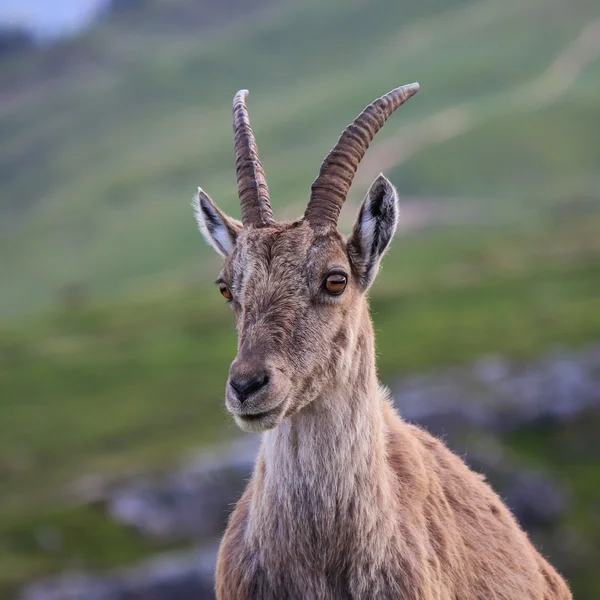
<point>325,466</point>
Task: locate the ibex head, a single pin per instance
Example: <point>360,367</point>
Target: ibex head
<point>298,288</point>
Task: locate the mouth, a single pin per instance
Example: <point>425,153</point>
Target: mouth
<point>261,421</point>
<point>253,418</point>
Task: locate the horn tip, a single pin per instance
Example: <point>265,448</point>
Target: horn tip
<point>241,95</point>
<point>411,88</point>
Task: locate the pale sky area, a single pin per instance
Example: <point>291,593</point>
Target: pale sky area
<point>48,18</point>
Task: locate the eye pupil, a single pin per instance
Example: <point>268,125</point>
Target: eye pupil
<point>335,284</point>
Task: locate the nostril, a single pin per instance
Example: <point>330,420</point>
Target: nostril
<point>246,387</point>
<point>256,384</point>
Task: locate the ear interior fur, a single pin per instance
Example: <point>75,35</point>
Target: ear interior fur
<point>374,229</point>
<point>219,230</point>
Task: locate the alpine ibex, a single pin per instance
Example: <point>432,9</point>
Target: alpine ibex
<point>347,501</point>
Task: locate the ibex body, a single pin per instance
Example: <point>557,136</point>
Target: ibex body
<point>347,501</point>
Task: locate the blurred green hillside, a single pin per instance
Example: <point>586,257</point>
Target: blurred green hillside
<point>114,346</point>
<point>105,143</point>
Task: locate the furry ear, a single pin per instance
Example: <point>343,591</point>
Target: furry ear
<point>219,230</point>
<point>373,230</point>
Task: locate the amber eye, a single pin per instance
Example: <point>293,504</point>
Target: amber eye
<point>225,291</point>
<point>335,283</point>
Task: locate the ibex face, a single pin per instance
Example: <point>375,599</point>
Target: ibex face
<point>297,289</point>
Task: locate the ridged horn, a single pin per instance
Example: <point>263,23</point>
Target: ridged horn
<point>330,188</point>
<point>251,180</point>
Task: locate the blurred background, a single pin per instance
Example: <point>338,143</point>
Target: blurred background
<point>118,463</point>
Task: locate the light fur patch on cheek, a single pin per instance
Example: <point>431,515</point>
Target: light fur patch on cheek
<point>347,363</point>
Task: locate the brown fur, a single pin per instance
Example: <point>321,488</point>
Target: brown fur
<point>347,501</point>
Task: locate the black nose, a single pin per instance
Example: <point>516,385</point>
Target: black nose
<point>245,387</point>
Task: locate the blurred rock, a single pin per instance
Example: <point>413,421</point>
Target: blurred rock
<point>183,576</point>
<point>536,500</point>
<point>90,489</point>
<point>498,396</point>
<point>191,503</point>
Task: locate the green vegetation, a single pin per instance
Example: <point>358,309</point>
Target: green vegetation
<point>571,453</point>
<point>74,537</point>
<point>114,347</point>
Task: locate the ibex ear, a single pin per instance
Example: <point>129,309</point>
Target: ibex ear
<point>373,230</point>
<point>219,230</point>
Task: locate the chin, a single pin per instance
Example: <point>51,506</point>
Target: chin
<point>262,421</point>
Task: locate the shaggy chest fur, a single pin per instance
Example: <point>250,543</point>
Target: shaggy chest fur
<point>323,520</point>
<point>306,530</point>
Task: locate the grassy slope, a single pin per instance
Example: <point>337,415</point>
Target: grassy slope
<point>114,152</point>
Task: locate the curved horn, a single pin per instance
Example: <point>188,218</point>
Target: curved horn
<point>251,180</point>
<point>330,188</point>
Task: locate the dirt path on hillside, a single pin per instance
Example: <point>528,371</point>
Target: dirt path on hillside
<point>544,89</point>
